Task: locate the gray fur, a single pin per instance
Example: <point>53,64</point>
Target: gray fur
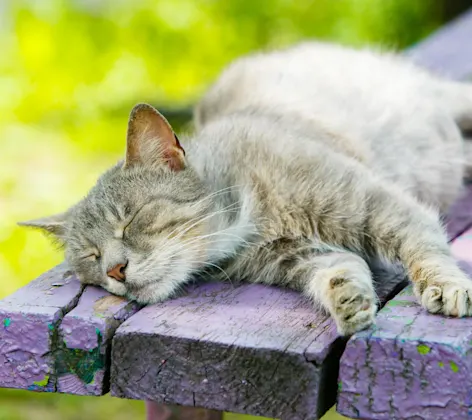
<point>306,163</point>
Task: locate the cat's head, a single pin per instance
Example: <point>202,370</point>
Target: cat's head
<point>139,231</point>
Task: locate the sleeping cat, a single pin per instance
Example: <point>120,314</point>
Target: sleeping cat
<point>306,162</point>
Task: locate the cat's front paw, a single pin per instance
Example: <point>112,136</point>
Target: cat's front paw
<point>451,297</point>
<point>353,305</point>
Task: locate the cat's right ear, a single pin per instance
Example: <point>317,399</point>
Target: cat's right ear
<point>55,225</point>
<point>151,141</point>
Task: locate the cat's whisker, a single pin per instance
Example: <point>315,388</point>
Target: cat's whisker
<point>208,264</point>
<point>220,232</point>
<point>196,221</point>
<point>217,193</point>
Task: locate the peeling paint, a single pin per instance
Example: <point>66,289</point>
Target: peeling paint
<point>406,303</point>
<point>42,382</point>
<point>82,363</point>
<point>7,322</point>
<point>454,367</point>
<point>423,349</point>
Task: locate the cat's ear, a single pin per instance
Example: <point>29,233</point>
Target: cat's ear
<point>55,225</point>
<point>151,140</point>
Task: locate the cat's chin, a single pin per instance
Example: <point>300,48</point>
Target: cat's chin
<point>148,295</point>
<point>115,287</point>
<point>154,292</point>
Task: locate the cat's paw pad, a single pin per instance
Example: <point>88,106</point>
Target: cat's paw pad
<point>353,307</point>
<point>453,298</point>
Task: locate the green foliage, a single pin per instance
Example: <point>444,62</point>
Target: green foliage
<point>72,69</point>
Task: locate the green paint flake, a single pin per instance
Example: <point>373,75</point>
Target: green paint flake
<point>423,349</point>
<point>42,382</point>
<point>340,386</point>
<point>51,326</point>
<point>98,331</point>
<point>454,367</point>
<point>441,364</point>
<point>7,322</point>
<point>82,363</point>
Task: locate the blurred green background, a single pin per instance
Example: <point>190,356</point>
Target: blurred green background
<point>70,71</point>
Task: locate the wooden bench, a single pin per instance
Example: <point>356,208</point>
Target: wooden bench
<point>250,349</point>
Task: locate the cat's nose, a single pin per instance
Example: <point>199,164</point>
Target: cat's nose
<point>118,272</point>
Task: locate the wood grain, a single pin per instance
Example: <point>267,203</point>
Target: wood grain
<point>28,335</point>
<point>85,334</point>
<point>56,335</point>
<point>250,349</point>
<point>412,364</point>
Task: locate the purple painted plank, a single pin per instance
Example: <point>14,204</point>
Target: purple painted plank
<point>448,51</point>
<point>412,364</point>
<point>56,335</point>
<point>85,338</point>
<point>250,349</point>
<point>30,319</point>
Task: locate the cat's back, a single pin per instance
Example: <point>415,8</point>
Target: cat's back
<point>312,78</point>
<point>376,107</point>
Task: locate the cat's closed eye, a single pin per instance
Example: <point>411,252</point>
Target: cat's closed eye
<point>91,256</point>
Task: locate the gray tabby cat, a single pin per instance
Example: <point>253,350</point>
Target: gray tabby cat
<point>306,163</point>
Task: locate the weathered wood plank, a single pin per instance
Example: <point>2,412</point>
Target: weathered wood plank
<point>448,51</point>
<point>248,332</point>
<point>30,318</point>
<point>85,334</point>
<point>249,349</point>
<point>412,364</point>
<point>56,335</point>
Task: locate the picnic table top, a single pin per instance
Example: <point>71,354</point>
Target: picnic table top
<point>251,349</point>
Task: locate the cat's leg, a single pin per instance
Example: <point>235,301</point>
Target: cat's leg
<point>337,280</point>
<point>401,228</point>
<point>342,283</point>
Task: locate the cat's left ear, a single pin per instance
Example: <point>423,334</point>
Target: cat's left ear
<point>55,225</point>
<point>151,140</point>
